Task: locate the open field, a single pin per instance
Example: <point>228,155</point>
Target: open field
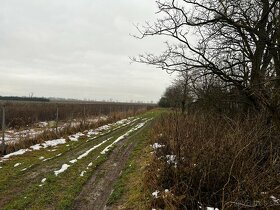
<point>73,173</point>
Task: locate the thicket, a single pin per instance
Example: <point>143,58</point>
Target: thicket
<point>209,160</point>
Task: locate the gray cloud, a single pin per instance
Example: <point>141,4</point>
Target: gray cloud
<point>77,49</point>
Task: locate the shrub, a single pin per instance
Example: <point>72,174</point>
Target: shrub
<point>213,161</point>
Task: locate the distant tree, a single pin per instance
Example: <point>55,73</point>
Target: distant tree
<point>178,94</point>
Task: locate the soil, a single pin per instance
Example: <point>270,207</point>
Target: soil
<point>98,189</point>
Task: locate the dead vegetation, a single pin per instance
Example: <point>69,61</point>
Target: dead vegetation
<point>64,132</point>
<point>21,114</point>
<point>208,160</point>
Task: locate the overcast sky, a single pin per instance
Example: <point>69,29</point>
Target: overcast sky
<point>78,49</point>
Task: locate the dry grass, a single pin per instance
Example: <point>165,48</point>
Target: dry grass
<point>220,162</point>
<point>68,130</point>
<point>21,114</point>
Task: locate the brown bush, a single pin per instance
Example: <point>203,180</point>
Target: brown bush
<point>220,162</point>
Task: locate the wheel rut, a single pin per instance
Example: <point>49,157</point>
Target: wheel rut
<point>97,190</point>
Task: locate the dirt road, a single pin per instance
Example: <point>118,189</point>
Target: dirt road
<point>96,192</point>
<point>77,174</point>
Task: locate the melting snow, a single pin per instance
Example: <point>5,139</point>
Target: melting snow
<point>42,124</point>
<point>53,143</point>
<point>76,136</point>
<point>140,125</point>
<point>83,172</point>
<point>36,147</point>
<point>63,168</point>
<point>50,143</point>
<point>157,145</point>
<point>17,164</point>
<point>19,152</point>
<point>155,194</point>
<point>93,148</point>
<point>171,159</point>
<point>47,159</point>
<point>275,200</point>
<point>73,161</point>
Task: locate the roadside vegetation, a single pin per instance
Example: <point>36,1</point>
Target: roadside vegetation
<point>219,149</point>
<point>129,192</point>
<point>207,160</point>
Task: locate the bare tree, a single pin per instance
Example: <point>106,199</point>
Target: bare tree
<point>238,41</point>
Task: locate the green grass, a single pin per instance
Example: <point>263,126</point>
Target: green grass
<point>57,192</point>
<point>128,190</point>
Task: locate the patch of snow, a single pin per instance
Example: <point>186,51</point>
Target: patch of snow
<point>90,164</point>
<point>157,145</point>
<point>47,159</point>
<point>64,167</point>
<point>27,168</point>
<point>58,155</point>
<point>275,200</point>
<point>171,159</point>
<point>17,164</point>
<point>53,143</point>
<point>42,124</point>
<point>140,125</point>
<point>41,158</point>
<point>36,147</point>
<point>75,137</point>
<point>43,180</point>
<point>211,208</point>
<point>50,143</point>
<point>83,172</point>
<point>93,148</point>
<point>155,194</point>
<point>73,161</point>
<point>106,128</point>
<point>19,152</point>
<point>166,190</point>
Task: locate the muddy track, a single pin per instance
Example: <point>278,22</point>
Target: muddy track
<point>98,189</point>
